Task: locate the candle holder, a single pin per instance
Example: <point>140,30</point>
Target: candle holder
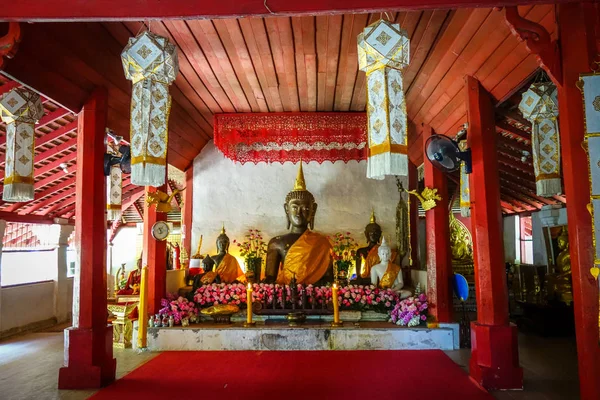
<point>336,307</point>
<point>249,323</point>
<point>337,324</point>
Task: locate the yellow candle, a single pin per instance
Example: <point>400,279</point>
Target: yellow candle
<point>249,303</point>
<point>336,306</point>
<point>143,310</point>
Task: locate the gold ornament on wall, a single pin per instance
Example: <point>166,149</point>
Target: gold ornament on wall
<point>427,197</point>
<point>162,200</point>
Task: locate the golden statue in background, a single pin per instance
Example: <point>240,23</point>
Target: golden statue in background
<point>560,284</point>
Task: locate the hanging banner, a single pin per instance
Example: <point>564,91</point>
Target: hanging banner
<point>114,193</point>
<point>383,52</point>
<point>20,109</point>
<point>281,137</point>
<point>540,106</point>
<point>150,62</point>
<point>590,88</point>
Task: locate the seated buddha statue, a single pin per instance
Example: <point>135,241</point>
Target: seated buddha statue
<point>559,284</point>
<point>134,280</point>
<point>386,274</point>
<point>367,257</point>
<point>224,266</point>
<point>302,252</point>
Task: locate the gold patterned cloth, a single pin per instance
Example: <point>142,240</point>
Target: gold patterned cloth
<point>590,87</point>
<point>308,259</point>
<point>21,108</point>
<point>150,62</point>
<point>372,260</point>
<point>114,193</point>
<point>389,277</point>
<point>229,270</point>
<point>540,106</point>
<point>383,52</point>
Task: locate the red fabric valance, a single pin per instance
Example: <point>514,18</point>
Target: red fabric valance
<point>281,137</point>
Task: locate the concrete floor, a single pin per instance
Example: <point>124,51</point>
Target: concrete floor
<point>29,368</point>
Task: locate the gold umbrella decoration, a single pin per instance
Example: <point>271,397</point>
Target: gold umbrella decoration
<point>540,106</point>
<point>150,62</point>
<point>20,108</point>
<point>383,52</point>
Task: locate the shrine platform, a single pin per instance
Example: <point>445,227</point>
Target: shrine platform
<point>313,335</point>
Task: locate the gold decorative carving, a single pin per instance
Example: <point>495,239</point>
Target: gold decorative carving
<point>461,242</point>
<point>427,197</point>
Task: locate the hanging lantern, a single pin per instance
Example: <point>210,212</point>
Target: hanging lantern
<point>150,62</point>
<point>21,108</point>
<point>540,106</point>
<point>114,193</point>
<point>590,87</point>
<point>465,194</point>
<point>383,52</point>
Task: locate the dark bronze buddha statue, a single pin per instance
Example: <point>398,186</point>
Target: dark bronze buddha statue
<point>222,267</point>
<point>301,253</point>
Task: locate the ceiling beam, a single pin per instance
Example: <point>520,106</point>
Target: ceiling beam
<point>514,116</point>
<point>511,143</point>
<point>50,136</point>
<point>67,211</point>
<point>57,199</point>
<point>502,126</point>
<point>56,150</point>
<point>110,10</point>
<point>30,219</point>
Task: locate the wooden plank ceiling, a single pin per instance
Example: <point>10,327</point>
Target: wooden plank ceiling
<point>288,64</point>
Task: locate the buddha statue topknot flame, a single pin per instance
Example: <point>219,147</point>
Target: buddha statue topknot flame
<point>302,253</point>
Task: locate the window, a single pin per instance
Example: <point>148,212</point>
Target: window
<point>526,240</point>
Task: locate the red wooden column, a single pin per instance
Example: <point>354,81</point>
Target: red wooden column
<point>576,59</point>
<point>154,255</point>
<point>437,222</point>
<point>89,361</point>
<point>188,206</point>
<point>495,357</point>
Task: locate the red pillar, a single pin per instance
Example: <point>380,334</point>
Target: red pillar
<point>154,255</point>
<point>188,206</point>
<point>89,361</point>
<point>576,59</point>
<point>437,222</point>
<point>495,357</point>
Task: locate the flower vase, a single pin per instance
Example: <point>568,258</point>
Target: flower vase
<point>342,272</point>
<point>253,269</point>
<point>185,321</point>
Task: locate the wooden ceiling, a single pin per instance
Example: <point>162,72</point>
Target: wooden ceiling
<point>276,64</point>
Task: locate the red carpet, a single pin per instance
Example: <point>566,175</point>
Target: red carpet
<point>409,374</point>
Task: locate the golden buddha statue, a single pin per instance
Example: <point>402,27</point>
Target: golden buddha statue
<point>302,253</point>
<point>559,284</point>
<point>223,265</point>
<point>132,287</point>
<point>367,257</point>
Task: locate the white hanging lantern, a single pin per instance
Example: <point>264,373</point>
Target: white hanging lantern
<point>21,108</point>
<point>540,106</point>
<point>590,87</point>
<point>465,193</point>
<point>383,52</point>
<point>150,62</point>
<point>114,193</point>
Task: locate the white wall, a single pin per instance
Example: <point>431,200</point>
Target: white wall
<point>252,196</point>
<point>124,250</point>
<point>547,217</point>
<point>26,304</point>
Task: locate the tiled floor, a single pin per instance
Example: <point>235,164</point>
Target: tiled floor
<point>29,368</point>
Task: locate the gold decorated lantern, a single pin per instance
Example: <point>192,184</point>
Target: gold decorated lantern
<point>21,108</point>
<point>383,52</point>
<point>150,62</point>
<point>540,106</point>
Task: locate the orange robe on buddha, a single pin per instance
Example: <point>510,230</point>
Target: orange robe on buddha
<point>133,283</point>
<point>389,277</point>
<point>229,270</point>
<point>308,259</point>
<point>372,260</point>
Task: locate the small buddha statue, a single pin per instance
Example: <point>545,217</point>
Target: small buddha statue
<point>302,252</point>
<point>386,274</point>
<point>559,284</point>
<point>367,257</point>
<point>226,267</point>
<point>132,287</point>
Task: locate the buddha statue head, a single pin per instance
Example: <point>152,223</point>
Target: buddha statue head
<point>300,207</point>
<point>373,230</point>
<point>384,252</point>
<point>222,242</point>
